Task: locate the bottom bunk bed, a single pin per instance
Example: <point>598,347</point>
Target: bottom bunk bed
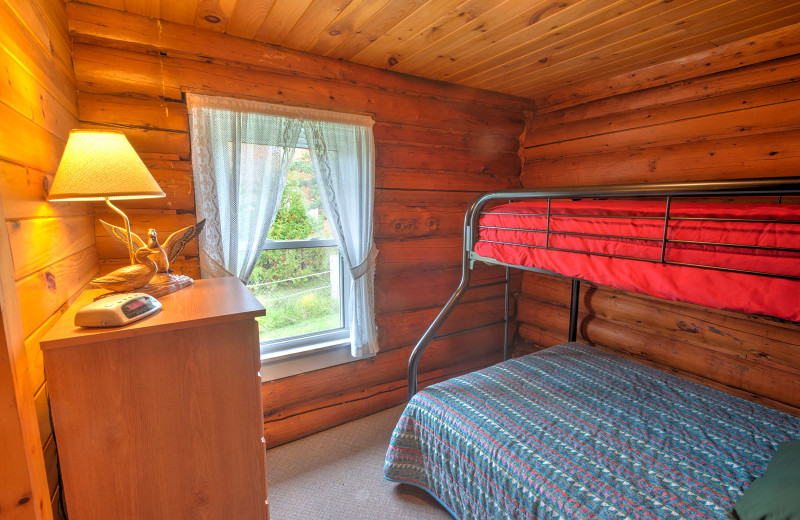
<point>575,432</point>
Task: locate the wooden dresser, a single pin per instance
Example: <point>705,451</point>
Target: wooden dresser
<point>162,419</point>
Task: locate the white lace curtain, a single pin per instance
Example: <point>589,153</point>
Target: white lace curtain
<point>342,155</point>
<point>241,153</point>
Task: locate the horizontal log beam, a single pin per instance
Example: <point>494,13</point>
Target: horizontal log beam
<point>401,178</point>
<point>749,113</point>
<point>119,72</point>
<point>766,155</point>
<point>88,22</point>
<point>740,352</point>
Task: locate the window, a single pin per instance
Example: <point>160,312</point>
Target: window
<point>287,194</point>
<point>300,276</point>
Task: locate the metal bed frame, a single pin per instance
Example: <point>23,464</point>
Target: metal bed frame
<point>746,187</point>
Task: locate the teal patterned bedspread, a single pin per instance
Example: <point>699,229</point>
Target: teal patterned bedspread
<point>574,432</point>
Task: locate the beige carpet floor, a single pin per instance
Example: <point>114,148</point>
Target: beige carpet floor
<point>338,475</point>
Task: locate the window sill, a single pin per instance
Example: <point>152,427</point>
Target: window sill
<point>305,358</point>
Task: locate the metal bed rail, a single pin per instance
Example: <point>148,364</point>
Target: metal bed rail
<point>746,187</point>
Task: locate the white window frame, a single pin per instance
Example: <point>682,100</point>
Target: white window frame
<point>297,354</point>
<point>275,348</point>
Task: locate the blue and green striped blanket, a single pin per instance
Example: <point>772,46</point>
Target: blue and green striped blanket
<point>573,432</point>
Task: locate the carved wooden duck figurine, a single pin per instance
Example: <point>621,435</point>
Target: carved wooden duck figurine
<point>160,257</point>
<point>170,250</point>
<point>131,276</point>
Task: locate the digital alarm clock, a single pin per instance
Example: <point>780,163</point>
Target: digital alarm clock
<point>114,311</point>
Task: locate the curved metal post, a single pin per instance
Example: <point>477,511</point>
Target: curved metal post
<point>505,313</point>
<point>413,361</point>
<point>470,222</point>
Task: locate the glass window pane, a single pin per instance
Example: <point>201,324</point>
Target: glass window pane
<point>300,215</point>
<point>300,289</point>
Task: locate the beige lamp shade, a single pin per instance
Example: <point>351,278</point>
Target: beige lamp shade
<point>101,164</point>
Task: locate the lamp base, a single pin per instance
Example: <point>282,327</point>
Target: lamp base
<point>160,285</point>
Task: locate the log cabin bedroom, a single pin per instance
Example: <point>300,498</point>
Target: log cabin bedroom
<point>394,259</point>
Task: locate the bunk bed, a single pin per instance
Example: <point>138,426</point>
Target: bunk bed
<point>575,432</point>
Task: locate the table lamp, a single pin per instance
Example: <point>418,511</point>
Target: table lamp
<point>102,165</point>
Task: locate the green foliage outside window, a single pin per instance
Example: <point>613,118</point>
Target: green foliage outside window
<point>291,223</point>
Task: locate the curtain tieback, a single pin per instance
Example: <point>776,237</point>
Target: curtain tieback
<point>362,268</point>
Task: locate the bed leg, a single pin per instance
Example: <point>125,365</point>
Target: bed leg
<point>573,309</point>
<point>505,314</point>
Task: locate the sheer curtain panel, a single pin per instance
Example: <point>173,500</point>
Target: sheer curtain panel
<point>241,153</point>
<point>343,155</point>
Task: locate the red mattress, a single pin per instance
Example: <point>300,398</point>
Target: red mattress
<point>635,229</point>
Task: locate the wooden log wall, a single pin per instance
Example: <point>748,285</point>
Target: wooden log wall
<point>437,146</point>
<point>52,245</point>
<point>740,121</point>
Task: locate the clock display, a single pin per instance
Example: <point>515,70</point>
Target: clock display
<point>136,307</point>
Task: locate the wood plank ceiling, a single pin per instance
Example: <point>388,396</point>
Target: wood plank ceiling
<point>527,48</point>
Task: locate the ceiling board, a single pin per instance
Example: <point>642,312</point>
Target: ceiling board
<point>641,30</point>
<point>630,55</point>
<point>532,40</point>
<point>248,17</point>
<point>587,39</point>
<point>526,48</point>
<point>182,12</point>
<point>386,18</point>
<point>473,35</point>
<point>379,53</point>
<point>281,19</point>
<point>151,8</point>
<point>789,15</point>
<point>439,31</point>
<point>349,23</point>
<point>314,20</point>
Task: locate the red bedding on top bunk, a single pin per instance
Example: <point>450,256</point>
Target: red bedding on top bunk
<point>711,288</point>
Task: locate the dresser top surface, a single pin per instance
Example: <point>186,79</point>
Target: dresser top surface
<point>205,302</point>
